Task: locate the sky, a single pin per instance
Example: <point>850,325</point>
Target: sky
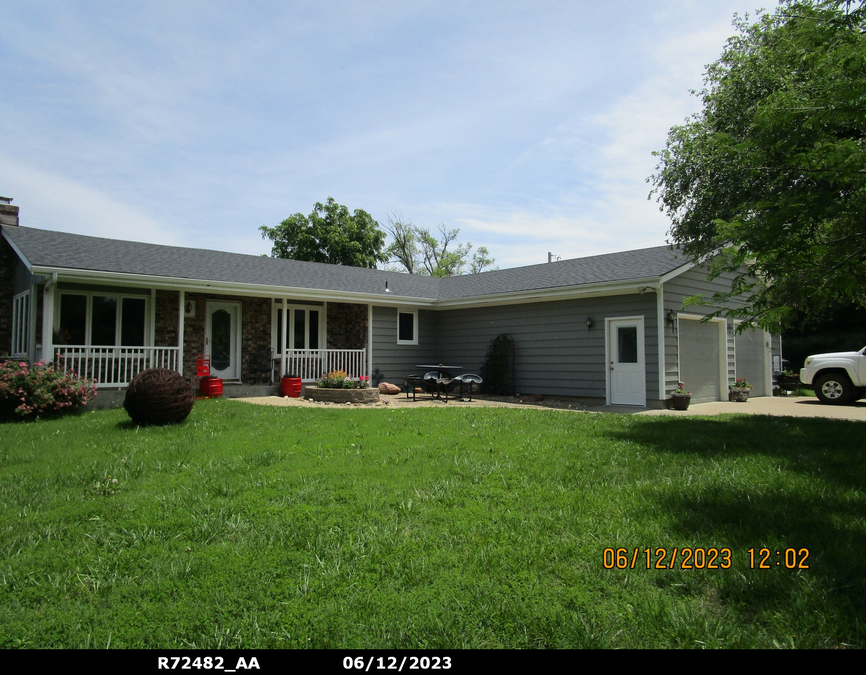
<point>527,125</point>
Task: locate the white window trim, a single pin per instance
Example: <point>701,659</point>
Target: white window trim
<point>118,321</point>
<point>277,304</point>
<point>414,340</point>
<point>21,325</point>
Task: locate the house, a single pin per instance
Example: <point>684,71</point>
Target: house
<point>606,328</point>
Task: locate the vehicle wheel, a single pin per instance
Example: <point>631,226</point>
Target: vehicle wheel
<point>834,389</point>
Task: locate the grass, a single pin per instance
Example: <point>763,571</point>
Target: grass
<point>257,527</point>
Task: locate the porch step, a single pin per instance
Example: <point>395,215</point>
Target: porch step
<point>237,390</point>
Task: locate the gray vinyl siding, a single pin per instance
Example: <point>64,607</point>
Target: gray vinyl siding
<point>555,354</point>
<point>692,282</point>
<point>392,362</point>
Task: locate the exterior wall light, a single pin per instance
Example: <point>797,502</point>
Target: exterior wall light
<point>672,319</point>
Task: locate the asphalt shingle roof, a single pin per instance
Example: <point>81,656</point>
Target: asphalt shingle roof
<point>49,249</point>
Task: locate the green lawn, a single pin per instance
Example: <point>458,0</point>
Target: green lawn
<point>260,527</point>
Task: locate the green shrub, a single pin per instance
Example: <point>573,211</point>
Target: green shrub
<point>41,389</point>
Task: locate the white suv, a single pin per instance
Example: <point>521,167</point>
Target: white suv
<point>837,378</point>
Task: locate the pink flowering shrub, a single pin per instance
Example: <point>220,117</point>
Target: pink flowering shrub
<point>41,389</point>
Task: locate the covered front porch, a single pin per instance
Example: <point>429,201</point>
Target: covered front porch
<point>110,334</point>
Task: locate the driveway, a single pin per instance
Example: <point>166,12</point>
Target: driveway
<point>791,406</point>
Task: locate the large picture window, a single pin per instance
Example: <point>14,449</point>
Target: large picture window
<point>304,328</point>
<point>96,319</point>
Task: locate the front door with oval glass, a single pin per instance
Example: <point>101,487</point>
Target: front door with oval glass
<point>222,339</point>
<point>627,364</point>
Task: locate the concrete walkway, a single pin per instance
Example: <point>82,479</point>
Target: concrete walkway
<point>792,406</point>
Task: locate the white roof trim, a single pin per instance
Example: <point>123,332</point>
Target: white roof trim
<point>551,294</point>
<point>203,286</point>
<point>679,270</point>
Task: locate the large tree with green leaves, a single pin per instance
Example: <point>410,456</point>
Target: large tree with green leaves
<point>418,251</point>
<point>330,234</point>
<point>768,181</point>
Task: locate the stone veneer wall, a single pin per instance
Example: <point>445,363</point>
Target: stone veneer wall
<point>166,319</point>
<point>347,326</point>
<point>7,270</point>
<point>255,330</point>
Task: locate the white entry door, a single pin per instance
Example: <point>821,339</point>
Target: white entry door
<point>222,339</point>
<point>627,363</point>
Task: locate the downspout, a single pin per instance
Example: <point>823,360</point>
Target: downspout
<point>660,320</point>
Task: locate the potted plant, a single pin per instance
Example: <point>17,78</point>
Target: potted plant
<point>290,385</point>
<point>788,380</point>
<point>739,391</point>
<point>680,398</point>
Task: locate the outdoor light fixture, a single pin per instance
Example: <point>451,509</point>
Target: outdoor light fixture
<point>589,323</point>
<point>672,319</point>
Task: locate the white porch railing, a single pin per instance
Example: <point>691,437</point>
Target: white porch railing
<point>114,366</point>
<point>309,364</point>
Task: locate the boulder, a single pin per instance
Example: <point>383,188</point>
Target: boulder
<point>389,389</point>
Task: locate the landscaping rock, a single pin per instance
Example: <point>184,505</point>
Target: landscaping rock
<point>389,389</point>
<point>159,396</point>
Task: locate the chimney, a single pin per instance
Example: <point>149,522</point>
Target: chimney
<point>8,213</point>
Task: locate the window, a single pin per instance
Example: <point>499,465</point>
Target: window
<point>304,327</point>
<point>91,319</point>
<point>21,324</point>
<point>407,328</point>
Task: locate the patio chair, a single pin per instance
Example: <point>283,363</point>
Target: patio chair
<point>262,363</point>
<point>467,381</point>
<point>435,379</point>
<point>414,382</point>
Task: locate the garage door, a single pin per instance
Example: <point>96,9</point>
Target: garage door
<point>699,359</point>
<point>749,350</point>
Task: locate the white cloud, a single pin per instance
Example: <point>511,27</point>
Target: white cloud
<point>51,201</point>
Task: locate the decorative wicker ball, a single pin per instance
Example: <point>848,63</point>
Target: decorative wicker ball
<point>159,396</point>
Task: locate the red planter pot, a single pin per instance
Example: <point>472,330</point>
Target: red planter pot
<point>211,386</point>
<point>291,386</point>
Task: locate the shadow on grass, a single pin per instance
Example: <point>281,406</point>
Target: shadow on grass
<point>777,483</point>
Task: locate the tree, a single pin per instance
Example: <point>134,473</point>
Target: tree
<point>417,251</point>
<point>329,235</point>
<point>768,181</point>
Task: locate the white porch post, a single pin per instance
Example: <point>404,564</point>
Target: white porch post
<point>369,340</point>
<point>48,320</point>
<point>181,308</point>
<point>282,346</point>
<point>31,324</point>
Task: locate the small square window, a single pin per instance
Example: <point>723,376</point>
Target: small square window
<point>407,328</point>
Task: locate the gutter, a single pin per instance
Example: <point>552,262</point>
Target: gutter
<point>174,283</point>
<point>625,287</point>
